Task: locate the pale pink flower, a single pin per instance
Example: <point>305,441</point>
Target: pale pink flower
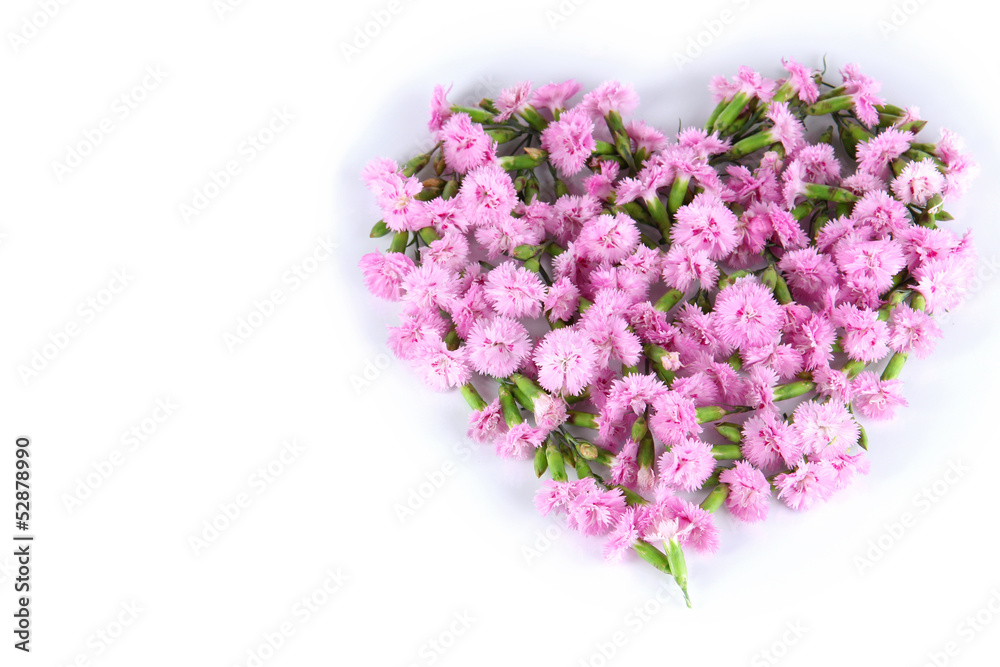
<point>569,141</point>
<point>520,442</point>
<point>430,286</point>
<point>875,398</point>
<point>769,441</point>
<point>594,511</point>
<point>487,195</point>
<point>401,210</point>
<point>512,100</point>
<point>645,138</point>
<point>487,425</point>
<point>881,212</point>
<point>440,108</point>
<point>683,267</point>
<point>498,346</point>
<point>515,291</point>
<point>863,90</point>
<point>865,336</point>
<point>912,331</point>
<point>610,96</point>
<point>833,383</point>
<point>440,367</point>
<point>787,129</point>
<point>450,251</point>
<point>871,263</point>
<point>808,484</point>
<point>674,417</point>
<point>800,80</point>
<point>747,314</point>
<point>624,535</point>
<point>875,154</point>
<point>918,182</point>
<point>633,393</point>
<point>601,184</point>
<point>749,492</point>
<point>825,428</point>
<point>414,330</point>
<point>625,468</point>
<point>706,224</point>
<point>566,360</point>
<point>687,464</point>
<point>943,282</point>
<point>608,238</point>
<point>808,273</point>
<point>612,339</point>
<point>550,411</point>
<point>672,518</point>
<point>561,300</point>
<point>383,274</point>
<point>554,96</point>
<point>466,144</point>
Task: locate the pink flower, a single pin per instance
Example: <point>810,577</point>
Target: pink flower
<point>554,96</point>
<point>881,212</point>
<point>702,143</point>
<point>912,331</point>
<point>512,100</point>
<point>562,300</point>
<point>612,339</point>
<point>917,183</point>
<point>862,90</point>
<point>487,195</point>
<point>440,367</point>
<point>401,210</point>
<point>569,141</point>
<point>787,129</point>
<point>674,418</point>
<point>466,144</point>
<point>520,442</point>
<point>633,393</point>
<point>800,80</point>
<point>498,346</point>
<point>378,172</point>
<point>872,263</point>
<point>440,108</point>
<point>808,273</point>
<point>687,464</point>
<point>877,399</point>
<point>595,511</point>
<point>672,518</point>
<point>747,314</point>
<point>515,291</point>
<point>769,441</point>
<point>430,286</point>
<point>825,428</point>
<point>487,425</point>
<point>383,274</point>
<point>450,251</point>
<point>645,138</point>
<point>624,535</point>
<point>808,484</point>
<point>875,154</point>
<point>683,267</point>
<point>865,336</point>
<point>608,239</point>
<point>706,224</point>
<point>832,383</point>
<point>610,96</point>
<point>566,360</point>
<point>749,492</point>
<point>416,329</point>
<point>550,412</point>
<point>625,468</point>
<point>601,183</point>
<point>845,466</point>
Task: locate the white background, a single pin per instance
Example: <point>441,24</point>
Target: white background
<point>316,370</point>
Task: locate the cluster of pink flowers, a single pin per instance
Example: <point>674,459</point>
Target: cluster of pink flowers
<point>621,290</point>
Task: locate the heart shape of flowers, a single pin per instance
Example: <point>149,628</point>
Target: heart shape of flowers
<point>615,293</point>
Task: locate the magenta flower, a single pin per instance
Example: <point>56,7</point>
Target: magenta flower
<point>566,360</point>
<point>749,492</point>
<point>569,141</point>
